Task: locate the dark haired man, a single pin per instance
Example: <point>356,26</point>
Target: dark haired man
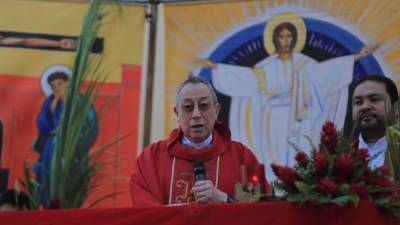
<point>374,106</point>
<point>164,170</point>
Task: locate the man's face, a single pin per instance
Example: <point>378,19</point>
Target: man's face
<point>196,112</point>
<point>285,39</point>
<point>372,108</point>
<point>59,87</point>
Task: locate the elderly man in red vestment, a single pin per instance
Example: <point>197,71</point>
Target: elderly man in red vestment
<point>164,170</point>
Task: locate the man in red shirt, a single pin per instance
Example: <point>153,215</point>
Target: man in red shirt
<point>164,170</point>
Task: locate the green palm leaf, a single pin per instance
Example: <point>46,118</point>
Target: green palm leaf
<point>73,169</point>
<point>393,151</point>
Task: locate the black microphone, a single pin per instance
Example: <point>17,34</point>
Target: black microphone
<point>199,170</point>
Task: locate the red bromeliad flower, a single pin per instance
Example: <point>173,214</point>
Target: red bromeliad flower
<point>275,169</point>
<point>321,163</point>
<point>363,154</point>
<point>302,159</point>
<point>389,186</point>
<point>326,187</point>
<point>329,136</point>
<point>355,144</point>
<point>344,165</point>
<point>339,179</point>
<point>336,170</point>
<point>286,174</point>
<point>289,176</point>
<point>359,189</point>
<point>367,175</point>
<point>384,170</point>
<point>55,203</point>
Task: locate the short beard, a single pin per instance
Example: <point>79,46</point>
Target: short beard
<point>378,126</point>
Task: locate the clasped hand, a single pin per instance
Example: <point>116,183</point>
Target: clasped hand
<point>205,192</point>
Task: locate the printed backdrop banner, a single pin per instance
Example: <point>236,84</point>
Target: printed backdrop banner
<point>38,38</point>
<point>281,70</point>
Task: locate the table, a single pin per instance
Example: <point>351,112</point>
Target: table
<point>266,213</point>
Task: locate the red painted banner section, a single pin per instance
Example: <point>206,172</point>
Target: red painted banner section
<point>118,106</point>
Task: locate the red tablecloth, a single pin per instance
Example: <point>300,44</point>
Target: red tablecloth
<point>269,213</point>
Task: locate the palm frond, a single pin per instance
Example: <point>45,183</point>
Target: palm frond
<point>393,151</point>
<point>73,168</point>
<point>30,186</point>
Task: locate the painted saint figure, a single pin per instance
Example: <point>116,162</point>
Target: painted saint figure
<point>47,122</point>
<point>285,96</point>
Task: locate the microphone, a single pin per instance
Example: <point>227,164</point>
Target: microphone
<point>199,170</point>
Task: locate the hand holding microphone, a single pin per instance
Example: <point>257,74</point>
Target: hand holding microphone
<point>204,190</point>
<point>199,171</point>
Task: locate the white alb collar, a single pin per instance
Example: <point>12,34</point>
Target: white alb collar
<point>188,143</point>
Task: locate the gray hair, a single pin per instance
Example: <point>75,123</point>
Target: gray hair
<point>196,80</point>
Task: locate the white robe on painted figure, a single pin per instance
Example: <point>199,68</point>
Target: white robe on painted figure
<point>281,101</point>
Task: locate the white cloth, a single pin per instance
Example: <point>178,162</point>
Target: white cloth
<point>288,100</point>
<point>206,143</point>
<point>376,151</point>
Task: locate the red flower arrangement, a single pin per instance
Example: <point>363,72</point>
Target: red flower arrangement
<point>336,172</point>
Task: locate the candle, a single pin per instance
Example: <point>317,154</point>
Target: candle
<point>253,174</point>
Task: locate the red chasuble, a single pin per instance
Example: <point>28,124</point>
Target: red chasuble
<point>164,170</point>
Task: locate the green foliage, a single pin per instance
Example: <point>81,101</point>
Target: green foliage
<point>345,176</point>
<point>251,194</point>
<point>393,153</point>
<point>29,186</point>
<point>73,169</point>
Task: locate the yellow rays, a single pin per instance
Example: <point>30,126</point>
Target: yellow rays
<point>193,28</point>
